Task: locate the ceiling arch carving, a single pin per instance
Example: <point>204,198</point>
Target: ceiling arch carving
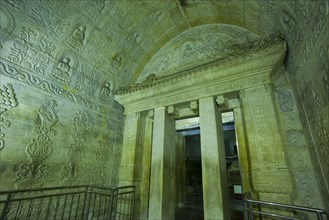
<point>196,46</point>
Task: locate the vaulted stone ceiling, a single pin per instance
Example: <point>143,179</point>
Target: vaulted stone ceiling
<point>89,46</point>
<point>118,38</point>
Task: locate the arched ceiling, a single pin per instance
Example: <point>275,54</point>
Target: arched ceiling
<point>116,39</point>
<point>196,46</point>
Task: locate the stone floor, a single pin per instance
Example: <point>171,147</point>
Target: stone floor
<point>196,213</point>
<point>189,213</point>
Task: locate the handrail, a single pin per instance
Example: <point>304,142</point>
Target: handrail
<point>292,209</point>
<point>69,202</point>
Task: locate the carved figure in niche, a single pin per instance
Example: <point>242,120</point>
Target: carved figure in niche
<point>117,62</point>
<point>155,16</point>
<point>62,72</point>
<point>106,91</point>
<point>76,40</point>
<point>64,65</point>
<point>79,34</point>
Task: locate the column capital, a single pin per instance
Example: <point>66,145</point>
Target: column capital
<point>222,102</point>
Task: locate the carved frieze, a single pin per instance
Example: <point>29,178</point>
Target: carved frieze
<point>33,174</point>
<point>36,81</point>
<point>7,101</point>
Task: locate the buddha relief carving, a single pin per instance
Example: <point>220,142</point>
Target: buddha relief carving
<point>62,73</point>
<point>77,39</point>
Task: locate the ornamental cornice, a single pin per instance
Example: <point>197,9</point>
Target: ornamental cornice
<point>247,70</point>
<point>238,54</point>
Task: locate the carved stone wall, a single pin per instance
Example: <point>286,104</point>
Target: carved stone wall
<point>269,171</point>
<point>59,122</point>
<point>53,141</point>
<point>306,187</point>
<point>305,26</point>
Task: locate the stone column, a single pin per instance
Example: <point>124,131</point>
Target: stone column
<point>162,185</point>
<point>266,150</point>
<point>146,165</point>
<point>214,178</point>
<point>128,156</point>
<point>242,149</point>
<point>180,170</point>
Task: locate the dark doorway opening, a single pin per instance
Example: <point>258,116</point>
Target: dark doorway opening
<point>190,206</point>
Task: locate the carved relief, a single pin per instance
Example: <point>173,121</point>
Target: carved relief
<point>33,174</point>
<point>17,5</point>
<point>285,99</point>
<point>186,50</point>
<point>122,16</point>
<point>43,18</point>
<point>93,9</point>
<point>261,130</point>
<point>99,43</point>
<point>131,40</point>
<point>87,80</point>
<point>106,91</point>
<point>7,25</point>
<point>150,20</point>
<point>77,39</point>
<point>116,165</point>
<point>116,62</point>
<point>39,83</point>
<point>76,152</point>
<point>63,70</point>
<point>25,51</point>
<point>322,130</point>
<point>100,171</point>
<point>7,101</point>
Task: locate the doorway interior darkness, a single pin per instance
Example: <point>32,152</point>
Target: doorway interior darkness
<point>191,169</point>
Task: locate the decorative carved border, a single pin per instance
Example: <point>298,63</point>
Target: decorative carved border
<point>12,71</point>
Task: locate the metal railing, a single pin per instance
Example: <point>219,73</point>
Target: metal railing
<point>69,202</point>
<point>255,209</point>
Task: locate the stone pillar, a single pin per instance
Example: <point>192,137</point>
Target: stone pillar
<point>214,178</point>
<point>127,170</point>
<point>162,182</point>
<point>242,149</point>
<point>180,171</point>
<point>146,165</point>
<point>266,150</point>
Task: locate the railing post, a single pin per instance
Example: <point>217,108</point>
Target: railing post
<point>84,211</point>
<point>114,201</point>
<point>5,208</point>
